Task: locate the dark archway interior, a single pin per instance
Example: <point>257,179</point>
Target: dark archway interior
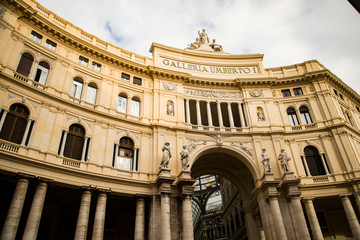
<point>219,172</point>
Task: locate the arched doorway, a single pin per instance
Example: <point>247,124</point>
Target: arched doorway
<point>223,175</point>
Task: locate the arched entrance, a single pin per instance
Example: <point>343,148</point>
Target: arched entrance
<point>232,174</point>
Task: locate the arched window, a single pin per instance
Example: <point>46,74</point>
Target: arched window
<point>125,155</point>
<point>91,92</point>
<point>25,64</point>
<point>314,161</point>
<point>74,142</point>
<point>15,124</point>
<point>122,102</point>
<point>292,116</point>
<point>42,72</point>
<point>77,88</point>
<point>305,115</point>
<point>135,106</point>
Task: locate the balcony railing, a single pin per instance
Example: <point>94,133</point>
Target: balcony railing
<point>28,80</point>
<point>8,146</point>
<point>71,162</point>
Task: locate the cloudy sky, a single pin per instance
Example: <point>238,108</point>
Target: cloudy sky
<point>286,32</point>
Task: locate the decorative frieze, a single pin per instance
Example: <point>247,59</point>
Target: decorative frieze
<point>256,93</point>
<point>169,86</point>
<point>194,143</point>
<point>245,147</point>
<point>211,93</point>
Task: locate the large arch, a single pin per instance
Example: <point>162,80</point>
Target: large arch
<point>227,163</point>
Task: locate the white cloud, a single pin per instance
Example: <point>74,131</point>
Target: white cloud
<point>286,32</point>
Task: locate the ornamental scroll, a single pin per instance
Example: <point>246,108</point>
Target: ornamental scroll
<point>211,93</point>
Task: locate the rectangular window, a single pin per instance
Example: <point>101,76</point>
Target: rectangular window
<point>50,45</point>
<point>96,66</point>
<point>76,89</point>
<point>125,77</point>
<point>341,96</point>
<point>298,91</point>
<point>357,108</point>
<point>137,81</point>
<point>83,61</point>
<point>122,101</point>
<point>41,74</point>
<point>135,108</point>
<point>336,92</point>
<point>91,94</point>
<point>35,36</point>
<point>286,93</point>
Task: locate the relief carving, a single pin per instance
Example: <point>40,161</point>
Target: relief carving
<point>211,93</point>
<point>256,93</point>
<point>169,86</point>
<point>244,146</point>
<point>193,144</point>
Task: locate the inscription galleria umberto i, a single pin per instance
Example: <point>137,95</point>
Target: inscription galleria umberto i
<point>97,142</point>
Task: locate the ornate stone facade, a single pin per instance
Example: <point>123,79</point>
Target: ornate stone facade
<point>83,125</point>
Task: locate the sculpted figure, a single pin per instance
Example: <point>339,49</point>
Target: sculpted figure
<point>215,46</point>
<point>204,39</point>
<point>260,115</point>
<point>166,155</point>
<point>184,156</point>
<point>170,108</point>
<point>195,44</point>
<point>284,159</point>
<point>265,160</point>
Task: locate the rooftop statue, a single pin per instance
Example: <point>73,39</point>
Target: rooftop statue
<point>203,43</point>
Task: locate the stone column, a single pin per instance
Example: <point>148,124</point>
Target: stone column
<point>33,221</point>
<point>231,118</point>
<point>278,221</point>
<point>313,220</point>
<point>2,120</point>
<point>261,233</point>
<point>84,149</point>
<point>63,143</point>
<point>209,114</point>
<point>221,124</point>
<point>83,217</point>
<point>14,213</point>
<point>99,220</point>
<point>351,216</point>
<point>357,200</point>
<point>187,223</point>
<point>140,219</point>
<point>165,230</point>
<point>242,119</point>
<point>26,133</point>
<point>324,164</point>
<point>198,113</point>
<point>303,158</point>
<point>187,111</point>
<point>301,226</point>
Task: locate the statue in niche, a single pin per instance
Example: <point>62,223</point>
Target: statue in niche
<point>265,160</point>
<point>184,156</point>
<point>170,108</point>
<point>166,155</point>
<point>260,115</point>
<point>284,159</point>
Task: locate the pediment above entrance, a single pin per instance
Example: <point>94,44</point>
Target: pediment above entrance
<point>208,64</point>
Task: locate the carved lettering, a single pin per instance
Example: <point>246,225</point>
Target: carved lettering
<point>209,69</point>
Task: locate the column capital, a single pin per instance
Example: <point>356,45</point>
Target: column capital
<point>44,180</point>
<point>88,188</point>
<point>21,175</point>
<point>345,195</point>
<point>104,190</point>
<point>307,199</point>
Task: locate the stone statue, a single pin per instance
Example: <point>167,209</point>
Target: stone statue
<point>215,46</point>
<point>202,43</point>
<point>204,39</point>
<point>166,155</point>
<point>195,44</point>
<point>170,108</point>
<point>260,115</point>
<point>184,156</point>
<point>284,159</point>
<point>265,160</point>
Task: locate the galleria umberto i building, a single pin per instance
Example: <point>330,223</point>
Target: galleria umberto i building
<point>97,142</point>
